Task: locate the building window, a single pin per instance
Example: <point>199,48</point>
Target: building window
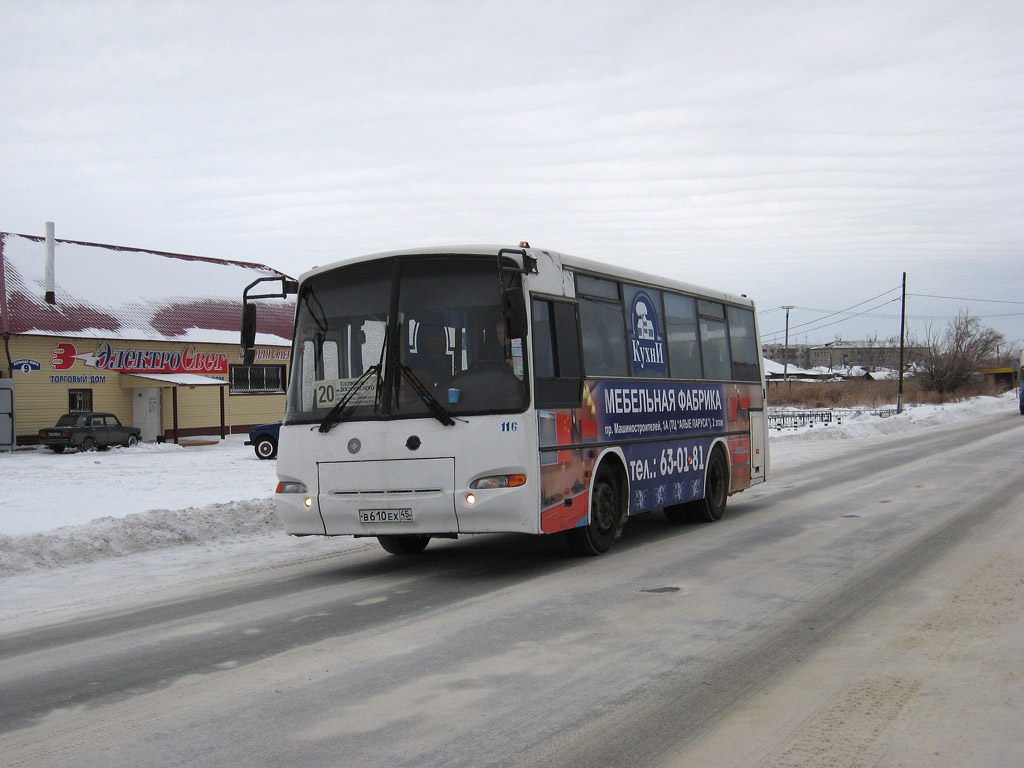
<point>257,379</point>
<point>79,400</point>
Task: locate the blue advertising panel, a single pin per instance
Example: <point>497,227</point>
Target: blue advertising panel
<point>665,431</point>
<point>629,410</point>
<point>646,336</point>
<point>662,474</point>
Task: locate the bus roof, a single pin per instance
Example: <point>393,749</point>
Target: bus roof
<point>597,268</point>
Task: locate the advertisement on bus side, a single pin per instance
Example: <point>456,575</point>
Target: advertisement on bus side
<point>665,430</point>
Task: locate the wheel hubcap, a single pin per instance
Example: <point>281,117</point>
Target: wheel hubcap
<point>604,508</point>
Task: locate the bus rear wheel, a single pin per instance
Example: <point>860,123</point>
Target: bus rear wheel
<point>597,537</point>
<point>716,493</point>
<point>405,543</point>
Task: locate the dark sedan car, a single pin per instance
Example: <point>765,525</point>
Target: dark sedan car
<point>87,432</point>
<point>263,439</point>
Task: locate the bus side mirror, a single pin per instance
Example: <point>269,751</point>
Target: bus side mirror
<point>515,311</point>
<point>248,325</point>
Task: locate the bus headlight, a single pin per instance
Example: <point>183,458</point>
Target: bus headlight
<point>499,481</point>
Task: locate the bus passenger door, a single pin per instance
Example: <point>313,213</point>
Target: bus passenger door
<point>557,360</point>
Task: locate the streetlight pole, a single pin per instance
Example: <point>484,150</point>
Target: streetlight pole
<point>903,323</point>
<point>785,359</point>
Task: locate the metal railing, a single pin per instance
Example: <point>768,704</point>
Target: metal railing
<point>783,418</point>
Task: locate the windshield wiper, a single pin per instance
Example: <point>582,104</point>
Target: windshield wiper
<point>438,411</point>
<point>335,415</point>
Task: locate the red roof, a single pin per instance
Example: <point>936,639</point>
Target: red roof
<point>105,291</point>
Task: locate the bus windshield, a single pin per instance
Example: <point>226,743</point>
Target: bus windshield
<point>407,338</point>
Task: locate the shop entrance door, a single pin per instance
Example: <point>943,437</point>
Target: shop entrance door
<point>7,435</point>
<point>146,412</point>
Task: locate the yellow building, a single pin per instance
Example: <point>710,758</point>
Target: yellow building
<point>149,336</point>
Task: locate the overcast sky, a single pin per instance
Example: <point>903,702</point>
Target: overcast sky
<point>803,153</point>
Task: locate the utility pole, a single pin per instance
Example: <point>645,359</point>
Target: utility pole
<point>785,359</point>
<point>903,324</point>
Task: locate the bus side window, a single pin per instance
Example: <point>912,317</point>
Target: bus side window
<point>683,337</point>
<point>714,340</point>
<point>558,372</point>
<point>645,330</point>
<point>743,343</point>
<point>603,324</point>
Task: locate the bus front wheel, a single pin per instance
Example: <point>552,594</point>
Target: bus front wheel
<point>404,544</point>
<point>597,537</point>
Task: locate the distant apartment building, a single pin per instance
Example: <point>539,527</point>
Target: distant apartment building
<point>869,355</point>
<point>798,354</point>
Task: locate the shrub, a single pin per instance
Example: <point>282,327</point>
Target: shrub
<point>953,360</point>
<point>864,393</point>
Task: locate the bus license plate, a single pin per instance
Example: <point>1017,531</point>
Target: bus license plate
<point>385,515</point>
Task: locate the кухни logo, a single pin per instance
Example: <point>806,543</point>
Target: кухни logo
<point>646,338</point>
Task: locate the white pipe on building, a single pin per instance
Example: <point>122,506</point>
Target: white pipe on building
<point>51,296</point>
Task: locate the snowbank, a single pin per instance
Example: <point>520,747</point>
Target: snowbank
<point>43,490</point>
<point>913,417</point>
<point>107,537</point>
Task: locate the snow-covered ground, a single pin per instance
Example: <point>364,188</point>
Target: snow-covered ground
<point>44,490</point>
<point>77,529</point>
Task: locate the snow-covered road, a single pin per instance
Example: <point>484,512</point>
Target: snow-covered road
<point>845,613</point>
<point>77,528</point>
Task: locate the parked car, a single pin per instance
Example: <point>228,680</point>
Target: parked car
<point>263,439</point>
<point>87,432</point>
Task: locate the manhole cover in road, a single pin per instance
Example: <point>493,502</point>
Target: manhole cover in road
<point>851,515</point>
<point>659,590</point>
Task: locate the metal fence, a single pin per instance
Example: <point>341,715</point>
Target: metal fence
<point>783,418</point>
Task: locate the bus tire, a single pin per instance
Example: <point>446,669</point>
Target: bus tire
<point>404,543</point>
<point>716,490</point>
<point>606,517</point>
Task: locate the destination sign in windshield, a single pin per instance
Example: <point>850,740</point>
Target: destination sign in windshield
<point>329,392</point>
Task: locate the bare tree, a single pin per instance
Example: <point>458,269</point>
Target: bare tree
<point>953,359</point>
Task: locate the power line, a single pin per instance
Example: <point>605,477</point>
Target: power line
<point>844,311</point>
<point>830,312</point>
<point>886,316</point>
<point>847,315</point>
<point>962,298</point>
<point>842,319</point>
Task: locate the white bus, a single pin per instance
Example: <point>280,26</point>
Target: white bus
<point>449,391</point>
